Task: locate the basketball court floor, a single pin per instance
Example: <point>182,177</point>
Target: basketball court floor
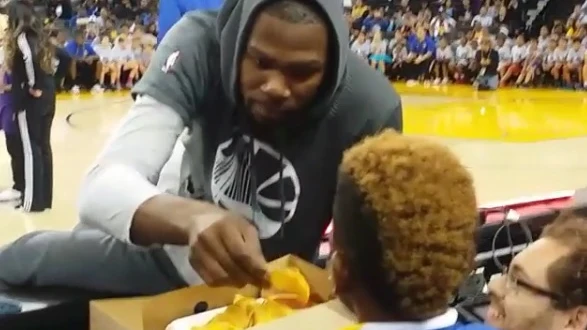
<point>515,142</point>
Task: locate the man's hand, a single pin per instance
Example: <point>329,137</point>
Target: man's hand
<point>228,252</point>
<point>36,92</point>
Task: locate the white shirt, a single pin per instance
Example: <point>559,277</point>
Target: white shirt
<point>362,49</point>
<point>519,53</point>
<point>444,53</point>
<point>484,20</point>
<point>548,57</point>
<point>103,51</point>
<point>575,56</point>
<point>560,55</point>
<point>119,54</point>
<point>443,321</point>
<point>462,53</point>
<point>505,53</point>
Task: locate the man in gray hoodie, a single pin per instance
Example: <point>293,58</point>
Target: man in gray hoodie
<point>271,97</point>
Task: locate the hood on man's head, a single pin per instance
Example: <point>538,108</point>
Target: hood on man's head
<point>234,25</point>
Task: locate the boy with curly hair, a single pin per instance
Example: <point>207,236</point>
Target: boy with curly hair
<point>405,213</point>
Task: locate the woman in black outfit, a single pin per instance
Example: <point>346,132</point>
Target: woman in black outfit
<point>29,57</point>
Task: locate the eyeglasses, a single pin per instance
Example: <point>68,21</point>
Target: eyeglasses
<point>513,283</point>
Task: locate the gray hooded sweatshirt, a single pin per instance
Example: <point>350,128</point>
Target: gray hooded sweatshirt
<point>283,185</point>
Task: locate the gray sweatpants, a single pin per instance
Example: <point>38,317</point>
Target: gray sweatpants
<point>90,259</point>
<point>86,259</point>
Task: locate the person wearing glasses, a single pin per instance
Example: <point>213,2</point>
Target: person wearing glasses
<point>545,286</point>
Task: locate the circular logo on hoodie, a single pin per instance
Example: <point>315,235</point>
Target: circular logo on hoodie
<point>233,187</point>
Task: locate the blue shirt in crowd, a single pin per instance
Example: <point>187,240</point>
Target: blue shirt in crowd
<point>170,11</point>
<point>421,47</point>
<point>76,50</point>
<point>371,22</point>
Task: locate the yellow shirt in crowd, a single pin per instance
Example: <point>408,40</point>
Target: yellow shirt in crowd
<point>358,11</point>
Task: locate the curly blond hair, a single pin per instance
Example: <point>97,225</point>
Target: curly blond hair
<point>409,229</point>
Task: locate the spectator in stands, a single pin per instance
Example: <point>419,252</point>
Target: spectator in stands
<point>505,55</point>
<point>544,37</point>
<point>486,62</point>
<point>462,58</point>
<point>379,58</point>
<point>442,62</point>
<point>421,50</point>
<point>376,21</point>
<point>403,240</point>
<point>572,68</point>
<point>125,61</point>
<point>560,57</point>
<point>361,46</point>
<point>109,66</point>
<point>358,9</point>
<point>531,65</point>
<point>483,18</point>
<point>86,62</point>
<point>545,285</point>
<point>549,60</point>
<point>519,54</point>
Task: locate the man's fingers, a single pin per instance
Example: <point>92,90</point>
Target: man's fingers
<point>253,259</point>
<point>207,267</point>
<point>236,275</point>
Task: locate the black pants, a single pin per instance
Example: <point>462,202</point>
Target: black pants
<point>419,71</point>
<point>85,74</point>
<point>14,148</point>
<point>32,167</point>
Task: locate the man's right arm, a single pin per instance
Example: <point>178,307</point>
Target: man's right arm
<point>119,195</point>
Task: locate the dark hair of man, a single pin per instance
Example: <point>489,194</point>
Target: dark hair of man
<point>405,213</point>
<point>293,11</point>
<point>567,276</point>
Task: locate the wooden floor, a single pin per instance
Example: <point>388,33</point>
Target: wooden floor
<point>515,142</point>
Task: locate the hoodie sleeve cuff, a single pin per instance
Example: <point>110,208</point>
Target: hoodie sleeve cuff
<point>117,192</point>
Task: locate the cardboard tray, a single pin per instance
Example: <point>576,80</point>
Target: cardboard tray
<point>155,313</point>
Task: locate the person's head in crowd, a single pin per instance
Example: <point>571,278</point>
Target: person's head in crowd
<point>124,28</point>
<point>552,43</point>
<point>520,40</point>
<point>106,41</point>
<point>562,43</point>
<point>576,45</point>
<point>463,40</point>
<point>544,32</point>
<point>79,36</point>
<point>503,11</point>
<point>361,37</point>
<point>122,41</point>
<point>474,44</point>
<point>378,13</point>
<point>500,40</point>
<point>404,215</point>
<point>485,44</point>
<point>483,11</point>
<point>545,286</point>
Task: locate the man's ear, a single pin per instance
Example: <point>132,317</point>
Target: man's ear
<point>578,319</point>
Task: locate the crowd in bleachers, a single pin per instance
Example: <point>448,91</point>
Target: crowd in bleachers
<point>110,42</point>
<point>442,42</point>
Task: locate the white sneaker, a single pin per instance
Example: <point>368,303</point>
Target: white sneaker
<point>9,195</point>
<point>97,89</point>
<point>436,81</point>
<point>75,89</point>
<point>411,83</point>
<point>445,81</point>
